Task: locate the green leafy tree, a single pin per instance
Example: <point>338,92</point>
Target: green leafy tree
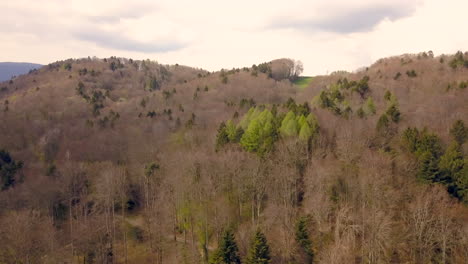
<point>227,252</point>
<point>459,132</point>
<point>261,133</point>
<point>8,170</point>
<point>289,125</point>
<point>259,252</point>
<point>306,132</point>
<point>313,122</point>
<point>303,239</point>
<point>251,138</point>
<point>234,133</point>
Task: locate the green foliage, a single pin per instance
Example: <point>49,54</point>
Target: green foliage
<point>234,133</point>
<point>247,102</point>
<point>303,239</point>
<point>387,95</point>
<point>260,133</point>
<point>459,132</point>
<point>8,170</point>
<point>259,130</point>
<point>326,101</point>
<point>227,251</point>
<point>458,60</point>
<point>452,163</point>
<point>428,167</point>
<point>362,87</point>
<point>394,113</point>
<point>222,137</point>
<point>67,66</point>
<point>303,82</point>
<point>259,252</point>
<point>306,132</point>
<point>463,84</point>
<point>369,106</point>
<point>397,75</point>
<point>383,123</point>
<point>289,126</point>
<point>153,84</point>
<point>298,109</point>
<point>151,168</point>
<point>411,139</point>
<point>427,149</point>
<point>264,68</point>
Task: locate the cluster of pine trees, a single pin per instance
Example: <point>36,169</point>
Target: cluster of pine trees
<point>435,165</point>
<point>261,127</point>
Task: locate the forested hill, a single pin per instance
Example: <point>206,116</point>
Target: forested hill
<point>122,161</point>
<point>11,69</point>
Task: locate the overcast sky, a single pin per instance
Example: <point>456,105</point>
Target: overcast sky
<point>326,35</point>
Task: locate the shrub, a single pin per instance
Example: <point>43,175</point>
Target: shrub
<point>370,106</point>
<point>411,73</point>
<point>8,169</point>
<point>459,132</point>
<point>394,113</point>
<point>388,95</point>
<point>383,123</point>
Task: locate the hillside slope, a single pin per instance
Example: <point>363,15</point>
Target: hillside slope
<point>137,162</point>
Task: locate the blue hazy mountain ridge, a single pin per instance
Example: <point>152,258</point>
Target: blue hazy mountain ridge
<point>10,69</point>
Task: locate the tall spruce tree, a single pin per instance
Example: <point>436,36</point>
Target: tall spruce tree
<point>222,137</point>
<point>259,252</point>
<point>227,253</point>
<point>303,239</point>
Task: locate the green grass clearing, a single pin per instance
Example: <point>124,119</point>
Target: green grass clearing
<point>303,82</point>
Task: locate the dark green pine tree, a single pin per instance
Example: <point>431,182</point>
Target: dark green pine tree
<point>222,137</point>
<point>8,169</point>
<point>227,252</point>
<point>428,167</point>
<point>459,132</point>
<point>454,172</point>
<point>303,239</point>
<point>259,252</point>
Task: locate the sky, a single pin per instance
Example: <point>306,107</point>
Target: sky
<point>326,35</point>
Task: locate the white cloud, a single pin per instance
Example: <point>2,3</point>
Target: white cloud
<point>325,35</point>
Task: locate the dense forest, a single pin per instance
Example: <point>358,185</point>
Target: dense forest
<point>122,161</point>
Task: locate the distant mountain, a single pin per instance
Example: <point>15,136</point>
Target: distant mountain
<point>10,69</point>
